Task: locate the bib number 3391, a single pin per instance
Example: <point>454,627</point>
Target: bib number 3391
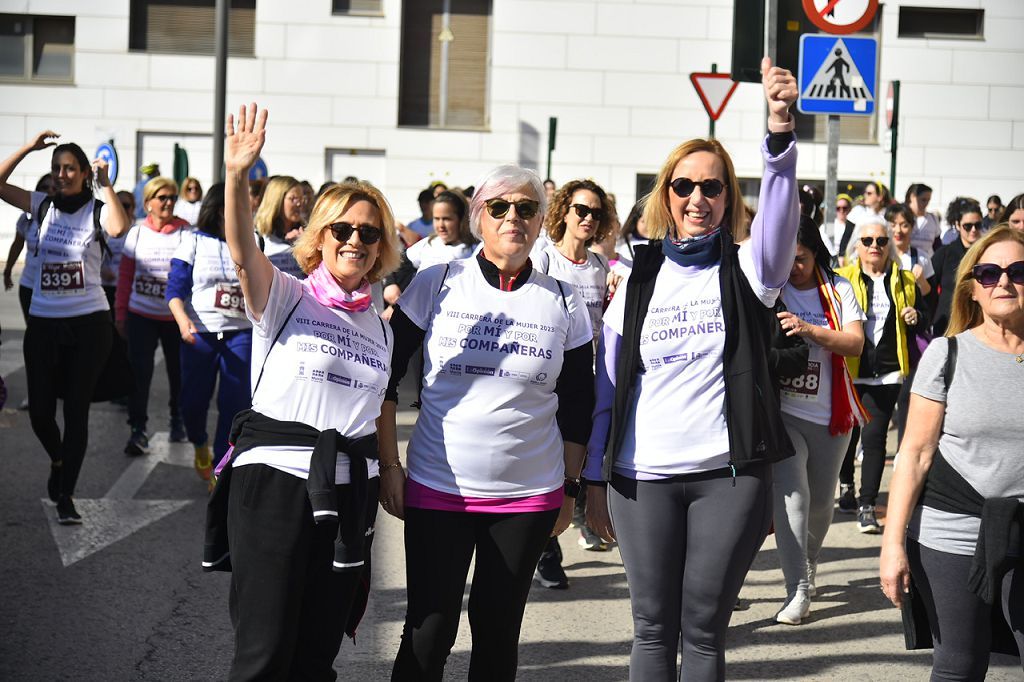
<point>62,279</point>
<point>228,300</point>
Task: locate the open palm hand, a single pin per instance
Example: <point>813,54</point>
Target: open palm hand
<point>245,137</point>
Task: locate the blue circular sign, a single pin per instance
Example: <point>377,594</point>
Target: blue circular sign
<point>106,152</point>
<point>259,170</point>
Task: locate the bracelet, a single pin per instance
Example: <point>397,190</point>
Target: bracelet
<point>393,465</point>
<point>786,127</point>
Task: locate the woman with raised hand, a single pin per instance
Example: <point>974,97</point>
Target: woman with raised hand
<point>279,221</point>
<point>952,540</point>
<point>892,305</point>
<point>687,422</point>
<point>205,297</point>
<point>495,457</point>
<point>819,408</point>
<point>68,336</point>
<point>301,482</point>
<point>143,317</point>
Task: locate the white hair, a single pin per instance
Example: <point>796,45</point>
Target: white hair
<point>891,254</point>
<point>502,180</point>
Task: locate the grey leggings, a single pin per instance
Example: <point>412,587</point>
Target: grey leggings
<point>687,543</point>
<point>962,624</point>
<point>805,487</point>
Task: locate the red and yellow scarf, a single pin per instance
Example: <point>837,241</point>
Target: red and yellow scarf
<point>847,410</point>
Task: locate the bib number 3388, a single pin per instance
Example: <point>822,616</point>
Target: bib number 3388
<point>62,279</point>
<point>806,385</point>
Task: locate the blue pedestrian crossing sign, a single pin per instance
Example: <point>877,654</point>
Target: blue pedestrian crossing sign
<point>838,75</point>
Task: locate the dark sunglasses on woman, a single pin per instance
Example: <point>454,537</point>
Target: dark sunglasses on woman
<point>881,241</point>
<point>967,227</point>
<point>368,234</point>
<point>583,211</point>
<point>525,208</point>
<point>683,187</point>
<point>989,274</point>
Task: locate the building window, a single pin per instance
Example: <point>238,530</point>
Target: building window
<point>372,8</point>
<point>941,22</point>
<point>36,48</point>
<point>188,27</point>
<point>445,63</point>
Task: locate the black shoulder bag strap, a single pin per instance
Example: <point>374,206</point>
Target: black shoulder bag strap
<point>565,303</point>
<point>274,343</point>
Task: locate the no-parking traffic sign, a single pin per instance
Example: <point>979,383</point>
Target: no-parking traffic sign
<point>840,17</point>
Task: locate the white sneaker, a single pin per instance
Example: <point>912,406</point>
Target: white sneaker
<point>796,609</point>
<point>812,570</point>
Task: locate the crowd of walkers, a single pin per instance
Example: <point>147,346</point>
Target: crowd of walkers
<point>681,385</point>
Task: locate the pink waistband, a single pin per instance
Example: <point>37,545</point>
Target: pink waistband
<point>422,497</point>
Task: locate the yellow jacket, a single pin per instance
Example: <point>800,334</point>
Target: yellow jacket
<point>903,288</point>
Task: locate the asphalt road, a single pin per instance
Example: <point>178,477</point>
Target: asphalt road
<point>123,598</point>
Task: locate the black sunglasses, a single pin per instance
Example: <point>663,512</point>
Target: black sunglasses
<point>166,197</point>
<point>881,241</point>
<point>989,274</point>
<point>583,211</point>
<point>683,187</point>
<point>971,226</point>
<point>525,208</point>
<point>368,234</point>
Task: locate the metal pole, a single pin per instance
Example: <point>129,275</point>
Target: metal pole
<point>220,89</point>
<point>895,135</point>
<point>442,95</point>
<point>831,169</point>
<point>771,40</point>
<point>711,121</point>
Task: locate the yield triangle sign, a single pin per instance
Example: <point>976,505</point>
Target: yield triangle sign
<point>714,90</point>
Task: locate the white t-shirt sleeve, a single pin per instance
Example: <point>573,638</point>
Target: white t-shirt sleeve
<point>417,301</point>
<point>541,259</point>
<point>767,295</point>
<point>927,271</point>
<point>851,312</point>
<point>35,200</point>
<point>186,250</point>
<point>581,329</point>
<point>130,242</point>
<point>614,315</point>
<point>285,292</point>
<point>105,217</point>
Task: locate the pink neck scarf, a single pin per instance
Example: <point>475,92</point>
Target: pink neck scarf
<point>327,291</point>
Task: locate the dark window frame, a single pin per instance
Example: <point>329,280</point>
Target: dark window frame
<point>338,10</point>
<point>29,75</point>
<point>913,21</point>
<point>139,38</point>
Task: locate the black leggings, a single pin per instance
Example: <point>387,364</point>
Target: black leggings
<point>687,543</point>
<point>25,299</point>
<point>879,401</point>
<point>143,336</point>
<point>961,623</point>
<point>71,352</point>
<point>438,548</point>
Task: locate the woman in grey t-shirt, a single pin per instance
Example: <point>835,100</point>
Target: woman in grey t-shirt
<point>972,418</point>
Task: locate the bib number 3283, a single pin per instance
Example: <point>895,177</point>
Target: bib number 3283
<point>62,279</point>
<point>806,385</point>
<point>228,300</point>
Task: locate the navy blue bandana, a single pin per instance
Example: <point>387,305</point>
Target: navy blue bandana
<point>694,251</point>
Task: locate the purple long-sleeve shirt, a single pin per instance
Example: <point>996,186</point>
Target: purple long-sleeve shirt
<point>773,247</point>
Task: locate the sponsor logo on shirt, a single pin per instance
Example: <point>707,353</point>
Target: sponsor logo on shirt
<point>317,376</point>
<point>338,379</point>
<point>481,371</point>
<point>302,371</point>
<point>513,374</point>
<point>447,342</point>
<point>305,347</point>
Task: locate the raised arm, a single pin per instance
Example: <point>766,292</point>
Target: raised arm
<point>242,146</point>
<point>16,196</point>
<point>773,233</point>
<point>118,221</point>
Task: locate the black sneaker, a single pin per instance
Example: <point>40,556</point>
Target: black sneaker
<point>53,482</point>
<point>549,569</point>
<point>177,434</point>
<point>138,443</point>
<point>591,541</point>
<point>866,521</point>
<point>847,500</point>
<point>67,515</point>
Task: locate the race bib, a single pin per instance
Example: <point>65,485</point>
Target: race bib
<point>150,286</point>
<point>228,300</point>
<point>62,279</point>
<point>805,386</point>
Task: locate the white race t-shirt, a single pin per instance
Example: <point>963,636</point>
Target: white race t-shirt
<point>188,210</point>
<point>874,327</point>
<point>329,369</point>
<point>907,262</point>
<point>152,252</point>
<point>624,250</point>
<point>676,424</point>
<point>280,254</point>
<point>926,231</point>
<point>67,283</point>
<point>809,396</point>
<point>589,279</point>
<point>487,423</point>
<point>216,304</point>
<point>433,251</point>
<point>29,231</point>
<point>112,260</point>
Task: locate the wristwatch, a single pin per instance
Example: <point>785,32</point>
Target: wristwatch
<point>572,487</point>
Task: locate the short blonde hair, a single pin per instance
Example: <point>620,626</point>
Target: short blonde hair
<point>964,312</point>
<point>329,208</point>
<point>153,187</point>
<point>269,218</point>
<point>658,217</point>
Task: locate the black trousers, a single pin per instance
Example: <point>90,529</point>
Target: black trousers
<point>438,548</point>
<point>68,352</point>
<point>879,401</point>
<point>25,299</point>
<point>143,336</point>
<point>288,606</point>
